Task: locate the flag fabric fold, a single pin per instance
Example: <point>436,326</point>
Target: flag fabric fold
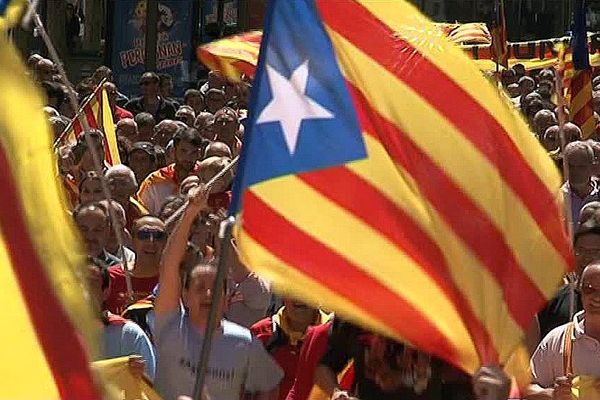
<point>39,262</point>
<point>98,114</point>
<point>387,181</point>
<point>11,12</point>
<point>581,101</point>
<point>233,56</point>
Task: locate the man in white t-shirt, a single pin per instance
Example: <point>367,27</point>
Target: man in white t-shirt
<point>572,349</point>
<point>238,363</point>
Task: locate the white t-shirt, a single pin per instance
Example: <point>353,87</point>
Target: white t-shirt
<point>238,362</point>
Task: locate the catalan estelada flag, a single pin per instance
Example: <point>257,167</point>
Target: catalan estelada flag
<point>233,56</point>
<point>11,12</point>
<point>96,110</point>
<point>42,353</point>
<point>582,104</point>
<point>385,179</point>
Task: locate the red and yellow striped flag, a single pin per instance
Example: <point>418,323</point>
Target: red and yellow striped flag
<point>384,178</point>
<point>582,103</point>
<point>233,56</point>
<point>42,355</point>
<point>96,110</point>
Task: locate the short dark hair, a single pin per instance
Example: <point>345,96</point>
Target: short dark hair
<point>150,75</point>
<point>211,266</point>
<point>96,205</point>
<point>144,119</point>
<point>191,93</point>
<point>81,147</point>
<point>190,135</point>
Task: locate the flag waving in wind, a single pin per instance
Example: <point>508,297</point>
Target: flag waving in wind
<point>582,103</point>
<point>43,356</point>
<point>383,178</point>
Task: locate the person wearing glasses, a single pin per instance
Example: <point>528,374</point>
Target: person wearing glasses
<point>149,237</point>
<point>150,101</point>
<point>572,349</point>
<point>581,187</point>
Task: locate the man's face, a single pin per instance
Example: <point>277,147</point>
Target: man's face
<point>186,155</point>
<point>186,116</point>
<point>580,167</point>
<point>121,187</point>
<point>87,160</point>
<point>111,92</point>
<point>587,249</point>
<point>91,191</point>
<point>128,129</point>
<point>163,132</point>
<point>225,126</point>
<point>149,238</point>
<point>196,102</point>
<point>214,101</point>
<point>215,80</point>
<point>198,296</point>
<point>526,86</point>
<point>141,164</point>
<point>551,139</point>
<point>94,227</point>
<point>299,312</point>
<point>543,121</point>
<point>590,291</point>
<point>149,86</point>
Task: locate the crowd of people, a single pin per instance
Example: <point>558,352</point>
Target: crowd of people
<point>151,268</point>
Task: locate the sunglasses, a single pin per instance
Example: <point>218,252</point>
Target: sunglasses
<point>151,235</point>
<point>144,83</point>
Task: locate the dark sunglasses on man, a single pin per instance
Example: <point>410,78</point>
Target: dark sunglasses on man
<point>144,83</point>
<point>146,234</point>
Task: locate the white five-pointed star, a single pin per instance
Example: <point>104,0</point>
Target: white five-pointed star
<point>290,104</point>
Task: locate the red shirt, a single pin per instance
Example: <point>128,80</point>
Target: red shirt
<point>281,350</point>
<point>313,349</point>
<point>121,113</point>
<point>118,300</point>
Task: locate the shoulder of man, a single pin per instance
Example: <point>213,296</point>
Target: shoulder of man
<point>233,330</point>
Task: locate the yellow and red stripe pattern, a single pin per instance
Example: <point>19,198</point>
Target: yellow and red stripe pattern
<point>582,103</point>
<point>448,234</point>
<point>43,356</point>
<point>96,110</point>
<point>233,56</point>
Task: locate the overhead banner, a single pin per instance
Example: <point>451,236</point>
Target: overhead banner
<point>533,55</point>
<point>174,52</point>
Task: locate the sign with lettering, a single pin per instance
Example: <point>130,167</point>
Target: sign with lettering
<point>174,51</point>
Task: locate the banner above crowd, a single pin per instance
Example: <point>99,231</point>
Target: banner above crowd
<point>536,54</point>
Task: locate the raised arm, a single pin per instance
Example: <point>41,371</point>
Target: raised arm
<point>169,291</point>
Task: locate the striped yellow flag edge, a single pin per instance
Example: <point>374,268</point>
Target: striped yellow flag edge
<point>414,111</point>
<point>341,230</point>
<point>42,196</point>
<point>289,281</point>
<point>468,274</point>
<point>108,125</point>
<point>16,347</point>
<point>403,17</point>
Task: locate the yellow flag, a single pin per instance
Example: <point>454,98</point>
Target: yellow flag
<point>41,348</point>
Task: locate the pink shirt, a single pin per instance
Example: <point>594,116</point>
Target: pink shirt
<point>547,360</point>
